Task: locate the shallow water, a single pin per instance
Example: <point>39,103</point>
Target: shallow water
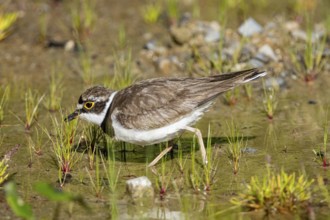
<point>285,142</point>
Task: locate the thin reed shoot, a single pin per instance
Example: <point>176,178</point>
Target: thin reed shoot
<point>231,96</point>
<point>86,68</point>
<point>194,176</point>
<point>235,146</point>
<point>323,190</point>
<point>4,96</point>
<point>210,169</point>
<point>109,166</point>
<point>35,143</point>
<point>322,153</point>
<point>309,61</point>
<point>54,97</point>
<point>97,185</point>
<point>164,177</point>
<point>64,145</point>
<point>93,136</point>
<point>7,20</point>
<point>32,102</point>
<point>123,75</point>
<point>83,18</point>
<point>43,24</point>
<point>3,171</point>
<point>270,102</point>
<point>172,9</point>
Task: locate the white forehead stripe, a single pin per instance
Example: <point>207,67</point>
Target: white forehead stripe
<point>96,99</point>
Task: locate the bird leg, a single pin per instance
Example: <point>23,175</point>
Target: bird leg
<point>200,142</point>
<point>153,163</point>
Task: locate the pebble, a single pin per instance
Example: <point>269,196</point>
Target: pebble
<point>211,32</point>
<point>249,28</point>
<point>139,187</point>
<point>268,51</point>
<point>302,35</point>
<point>275,82</point>
<point>249,150</point>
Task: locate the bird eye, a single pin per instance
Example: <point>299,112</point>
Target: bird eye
<point>89,105</point>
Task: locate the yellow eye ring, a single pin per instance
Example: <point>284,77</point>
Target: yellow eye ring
<point>89,105</point>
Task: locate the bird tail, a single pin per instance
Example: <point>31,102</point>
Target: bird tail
<point>239,77</point>
<point>218,84</point>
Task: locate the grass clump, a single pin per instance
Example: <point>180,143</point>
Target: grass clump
<point>35,144</point>
<point>123,75</point>
<point>32,102</point>
<point>275,192</point>
<point>7,20</point>
<point>151,12</point>
<point>172,9</point>
<point>97,185</point>
<point>235,146</point>
<point>63,145</point>
<point>202,178</point>
<point>309,62</point>
<point>54,98</point>
<point>3,102</point>
<point>231,96</point>
<point>270,102</point>
<point>323,190</point>
<point>321,154</point>
<point>3,171</point>
<point>93,135</point>
<point>85,62</point>
<point>109,166</point>
<point>164,177</point>
<point>83,18</point>
<point>210,169</point>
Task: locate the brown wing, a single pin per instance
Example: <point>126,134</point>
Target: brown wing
<point>154,103</point>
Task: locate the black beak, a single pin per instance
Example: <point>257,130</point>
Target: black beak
<point>72,116</point>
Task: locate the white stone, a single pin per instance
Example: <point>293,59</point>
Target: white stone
<point>139,188</point>
<point>139,181</point>
<point>249,28</point>
<point>268,51</point>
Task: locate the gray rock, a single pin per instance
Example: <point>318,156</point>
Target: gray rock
<point>291,25</point>
<point>211,32</point>
<point>249,28</point>
<point>259,60</point>
<point>268,51</point>
<point>275,82</point>
<point>139,187</point>
<point>249,150</point>
<point>151,213</point>
<point>256,63</point>
<point>212,36</point>
<point>150,45</point>
<point>181,35</point>
<point>302,35</point>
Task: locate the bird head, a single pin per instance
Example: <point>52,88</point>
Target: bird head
<point>93,105</point>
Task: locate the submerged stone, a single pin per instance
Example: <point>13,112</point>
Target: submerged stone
<point>139,188</point>
<point>249,28</point>
<point>249,150</point>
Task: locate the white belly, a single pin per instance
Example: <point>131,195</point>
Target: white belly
<point>154,136</point>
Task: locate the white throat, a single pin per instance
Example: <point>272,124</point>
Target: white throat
<point>98,118</point>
